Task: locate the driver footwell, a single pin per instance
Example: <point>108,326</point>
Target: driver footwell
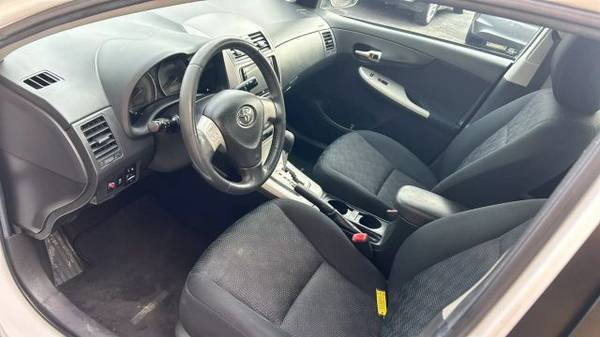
<point>138,248</point>
<point>136,264</point>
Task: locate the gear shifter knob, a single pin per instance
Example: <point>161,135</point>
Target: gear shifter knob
<point>288,142</point>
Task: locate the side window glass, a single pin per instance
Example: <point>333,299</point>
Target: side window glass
<point>487,32</point>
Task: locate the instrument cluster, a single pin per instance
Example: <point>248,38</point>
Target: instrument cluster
<point>162,80</point>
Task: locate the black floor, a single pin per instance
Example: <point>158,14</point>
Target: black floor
<point>139,248</point>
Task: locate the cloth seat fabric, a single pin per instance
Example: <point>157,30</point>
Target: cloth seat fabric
<point>287,270</point>
<point>367,169</point>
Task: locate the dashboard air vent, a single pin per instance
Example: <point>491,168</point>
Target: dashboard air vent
<point>102,142</point>
<point>328,40</point>
<point>259,40</point>
<point>42,79</point>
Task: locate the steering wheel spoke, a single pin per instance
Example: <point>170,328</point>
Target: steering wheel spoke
<point>207,128</point>
<point>269,109</point>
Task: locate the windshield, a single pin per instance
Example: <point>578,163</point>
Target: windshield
<point>12,11</point>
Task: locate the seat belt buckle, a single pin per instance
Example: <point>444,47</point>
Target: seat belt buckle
<point>362,243</point>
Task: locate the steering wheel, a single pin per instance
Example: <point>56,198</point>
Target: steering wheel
<point>231,121</point>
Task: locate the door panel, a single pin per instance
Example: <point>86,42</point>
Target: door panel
<point>485,65</point>
<point>445,79</point>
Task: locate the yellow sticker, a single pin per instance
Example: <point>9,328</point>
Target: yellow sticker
<point>381,302</point>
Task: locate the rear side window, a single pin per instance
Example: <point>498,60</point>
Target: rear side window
<point>487,32</point>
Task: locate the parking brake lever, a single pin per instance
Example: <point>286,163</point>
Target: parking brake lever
<point>358,238</point>
<point>326,208</point>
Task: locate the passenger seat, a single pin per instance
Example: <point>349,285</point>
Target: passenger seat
<point>500,157</point>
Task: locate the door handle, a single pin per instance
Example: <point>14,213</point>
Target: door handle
<point>369,55</point>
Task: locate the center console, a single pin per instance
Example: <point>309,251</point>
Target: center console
<point>382,234</point>
<point>375,227</point>
<point>285,177</point>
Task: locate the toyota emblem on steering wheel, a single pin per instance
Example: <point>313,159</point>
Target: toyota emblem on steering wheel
<point>246,116</point>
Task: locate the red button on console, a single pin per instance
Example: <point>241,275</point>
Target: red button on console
<point>111,186</point>
<point>360,237</point>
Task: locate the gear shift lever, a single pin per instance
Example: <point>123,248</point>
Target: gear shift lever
<point>288,144</point>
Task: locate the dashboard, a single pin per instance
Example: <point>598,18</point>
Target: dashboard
<point>89,93</point>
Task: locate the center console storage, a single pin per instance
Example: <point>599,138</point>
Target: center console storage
<point>375,227</point>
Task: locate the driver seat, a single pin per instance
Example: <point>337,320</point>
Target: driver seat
<point>287,270</point>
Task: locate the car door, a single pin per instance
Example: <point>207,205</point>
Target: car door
<point>417,84</point>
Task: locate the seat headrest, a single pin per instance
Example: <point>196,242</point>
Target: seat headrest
<point>576,74</point>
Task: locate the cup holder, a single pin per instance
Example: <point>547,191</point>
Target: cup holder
<point>339,206</point>
<point>366,220</point>
<point>369,221</point>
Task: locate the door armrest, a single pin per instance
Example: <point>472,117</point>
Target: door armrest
<point>419,207</point>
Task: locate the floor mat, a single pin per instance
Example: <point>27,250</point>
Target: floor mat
<point>136,264</point>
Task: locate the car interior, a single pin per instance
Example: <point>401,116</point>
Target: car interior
<point>277,168</point>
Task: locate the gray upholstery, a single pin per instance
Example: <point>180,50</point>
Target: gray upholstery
<point>576,73</point>
<point>287,270</point>
<point>494,161</point>
<point>266,274</point>
<point>500,157</point>
<point>419,300</point>
<point>367,169</point>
